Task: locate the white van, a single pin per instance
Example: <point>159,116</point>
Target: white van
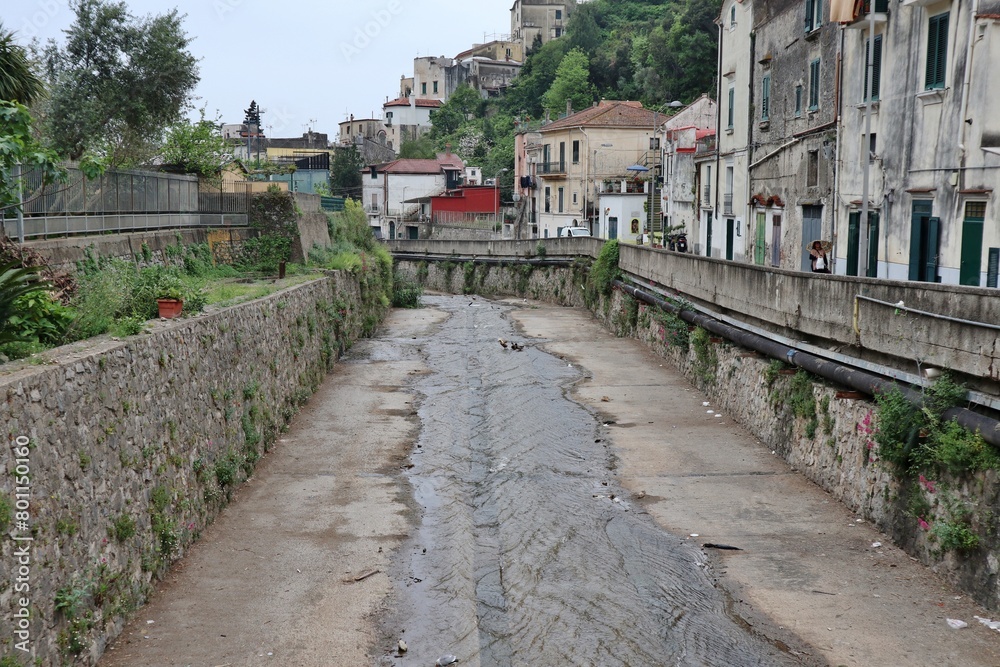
<point>573,231</point>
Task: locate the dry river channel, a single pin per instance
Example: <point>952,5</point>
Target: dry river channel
<point>544,506</point>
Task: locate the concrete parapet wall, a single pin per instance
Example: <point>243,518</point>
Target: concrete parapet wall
<point>553,247</point>
<point>813,306</point>
<point>804,306</point>
<point>136,445</point>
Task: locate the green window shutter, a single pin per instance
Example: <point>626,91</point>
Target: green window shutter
<point>809,14</point>
<point>933,248</point>
<point>732,101</point>
<point>765,95</point>
<point>876,56</point>
<point>937,51</point>
<point>814,85</point>
<point>876,67</point>
<point>818,14</point>
<point>972,252</point>
<point>853,237</point>
<point>872,244</point>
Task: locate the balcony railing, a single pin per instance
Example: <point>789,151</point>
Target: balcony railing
<point>552,167</point>
<point>727,203</point>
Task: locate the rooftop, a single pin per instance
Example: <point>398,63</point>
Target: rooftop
<point>609,113</point>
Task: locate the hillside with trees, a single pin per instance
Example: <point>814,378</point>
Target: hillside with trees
<point>654,51</point>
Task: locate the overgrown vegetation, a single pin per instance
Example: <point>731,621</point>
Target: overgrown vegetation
<point>603,273</point>
<point>918,440</point>
<point>706,361</point>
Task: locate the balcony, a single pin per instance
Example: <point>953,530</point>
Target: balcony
<point>727,203</point>
<point>623,186</point>
<point>552,168</point>
<point>880,15</point>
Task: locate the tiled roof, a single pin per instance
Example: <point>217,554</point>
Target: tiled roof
<point>405,102</point>
<point>609,113</point>
<point>424,166</point>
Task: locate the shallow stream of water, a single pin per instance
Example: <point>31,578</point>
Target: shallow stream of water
<point>527,552</point>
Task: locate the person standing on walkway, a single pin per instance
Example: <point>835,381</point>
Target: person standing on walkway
<point>817,255</point>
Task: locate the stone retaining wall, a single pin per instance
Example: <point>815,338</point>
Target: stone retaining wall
<point>135,447</point>
<point>834,447</point>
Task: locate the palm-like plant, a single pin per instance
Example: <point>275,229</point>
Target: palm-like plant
<point>15,281</point>
<point>18,83</point>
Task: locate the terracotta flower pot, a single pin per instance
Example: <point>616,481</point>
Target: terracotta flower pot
<point>169,308</point>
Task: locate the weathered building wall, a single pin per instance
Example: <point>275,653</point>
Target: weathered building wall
<point>136,445</point>
<point>792,152</point>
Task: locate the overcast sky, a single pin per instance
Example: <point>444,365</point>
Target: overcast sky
<point>306,62</point>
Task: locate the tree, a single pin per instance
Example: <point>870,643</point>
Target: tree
<point>419,148</point>
<point>21,153</point>
<point>464,104</point>
<point>118,82</point>
<point>345,172</point>
<point>572,83</point>
<point>197,148</point>
<point>536,77</point>
<point>583,30</point>
<point>18,81</point>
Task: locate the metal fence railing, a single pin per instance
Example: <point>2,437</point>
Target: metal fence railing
<point>124,201</point>
<point>466,220</point>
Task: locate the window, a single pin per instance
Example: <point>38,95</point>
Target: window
<point>562,156</point>
<point>876,69</point>
<point>765,97</point>
<point>576,152</point>
<point>814,14</point>
<point>812,173</point>
<point>732,102</point>
<point>558,33</point>
<point>435,86</point>
<point>575,194</point>
<point>937,51</point>
<point>558,15</point>
<point>814,85</point>
<point>732,17</point>
<point>798,101</point>
<point>423,88</point>
<point>562,195</point>
<point>548,200</point>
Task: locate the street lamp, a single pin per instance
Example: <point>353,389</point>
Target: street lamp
<point>496,195</point>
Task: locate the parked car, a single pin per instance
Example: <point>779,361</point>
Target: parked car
<point>574,231</point>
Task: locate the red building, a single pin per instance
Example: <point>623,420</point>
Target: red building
<point>465,204</point>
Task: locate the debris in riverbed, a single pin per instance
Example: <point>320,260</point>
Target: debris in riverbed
<point>956,624</point>
<point>402,646</point>
<point>992,625</point>
<point>502,342</point>
<point>361,577</point>
<point>516,347</point>
<point>724,547</point>
<point>605,399</point>
<point>446,660</point>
